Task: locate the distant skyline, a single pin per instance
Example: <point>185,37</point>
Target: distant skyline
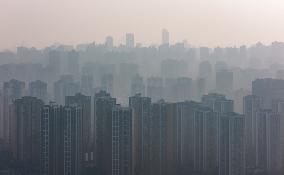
<point>40,23</point>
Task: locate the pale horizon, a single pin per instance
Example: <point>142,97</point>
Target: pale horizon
<point>40,23</point>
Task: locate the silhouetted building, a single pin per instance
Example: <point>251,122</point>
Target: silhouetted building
<point>107,83</point>
<point>252,104</point>
<point>12,90</point>
<point>130,40</point>
<point>231,144</point>
<point>225,82</point>
<point>268,141</point>
<point>38,89</point>
<point>218,103</point>
<point>73,63</point>
<point>137,86</point>
<point>141,116</point>
<point>87,83</point>
<point>25,131</point>
<point>103,105</point>
<point>165,37</point>
<point>163,139</point>
<point>65,87</point>
<point>109,42</point>
<point>85,103</point>
<point>155,88</point>
<point>269,89</point>
<point>61,140</point>
<point>121,141</point>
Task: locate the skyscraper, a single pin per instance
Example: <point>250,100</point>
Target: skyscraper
<point>252,104</point>
<point>25,131</point>
<point>165,37</point>
<point>269,89</point>
<point>141,110</point>
<point>87,130</point>
<point>109,42</point>
<point>103,105</point>
<point>231,144</point>
<point>268,141</point>
<point>219,103</point>
<point>73,63</point>
<point>38,89</point>
<point>65,87</point>
<point>121,141</point>
<point>12,90</point>
<point>107,83</point>
<point>130,42</point>
<point>61,140</point>
<point>225,82</point>
<point>155,88</point>
<point>163,139</point>
<point>137,86</point>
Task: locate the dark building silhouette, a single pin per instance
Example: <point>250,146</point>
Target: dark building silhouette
<point>61,140</point>
<point>121,139</point>
<point>141,116</point>
<point>12,90</point>
<point>103,105</point>
<point>231,144</point>
<point>269,89</point>
<point>85,103</point>
<point>219,103</point>
<point>25,131</point>
<point>130,42</point>
<point>38,89</point>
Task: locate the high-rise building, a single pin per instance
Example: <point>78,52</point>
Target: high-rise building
<point>197,137</point>
<point>141,116</point>
<point>231,144</point>
<point>173,68</point>
<point>109,42</point>
<point>113,148</point>
<point>107,83</point>
<point>164,139</point>
<point>155,88</point>
<point>252,104</point>
<point>61,140</point>
<point>219,103</point>
<point>137,86</point>
<point>204,53</point>
<point>73,63</point>
<point>269,89</point>
<point>12,90</point>
<point>184,89</point>
<point>225,82</point>
<point>38,89</point>
<point>103,105</point>
<point>205,71</point>
<point>127,71</point>
<point>268,141</point>
<point>1,115</point>
<point>87,128</point>
<point>165,37</point>
<point>200,88</point>
<point>130,42</point>
<point>121,141</point>
<point>54,65</point>
<point>65,87</point>
<point>87,83</point>
<point>25,131</point>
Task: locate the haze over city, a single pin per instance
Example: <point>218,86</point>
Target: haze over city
<point>141,87</point>
<point>40,23</point>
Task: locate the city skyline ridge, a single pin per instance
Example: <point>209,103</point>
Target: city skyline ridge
<point>212,23</point>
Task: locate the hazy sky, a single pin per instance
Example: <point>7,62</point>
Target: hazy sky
<point>201,22</point>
